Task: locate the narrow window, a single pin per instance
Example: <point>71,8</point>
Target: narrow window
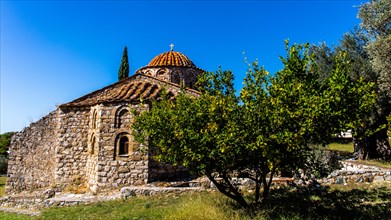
<point>92,145</point>
<point>123,146</point>
<point>94,116</point>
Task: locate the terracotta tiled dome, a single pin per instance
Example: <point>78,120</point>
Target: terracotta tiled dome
<point>171,58</point>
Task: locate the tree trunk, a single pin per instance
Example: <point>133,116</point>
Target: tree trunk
<point>227,189</point>
<point>257,187</point>
<point>379,147</point>
<point>266,186</point>
<point>376,146</point>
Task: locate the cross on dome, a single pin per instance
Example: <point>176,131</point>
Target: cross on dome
<point>172,47</point>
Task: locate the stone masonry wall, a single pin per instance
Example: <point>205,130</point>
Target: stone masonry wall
<point>31,162</point>
<point>114,170</point>
<point>178,75</point>
<point>71,153</point>
<point>106,168</point>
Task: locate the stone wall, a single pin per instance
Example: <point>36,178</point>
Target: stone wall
<point>31,162</point>
<point>158,171</point>
<point>178,75</point>
<point>71,153</point>
<point>113,169</point>
<point>354,172</point>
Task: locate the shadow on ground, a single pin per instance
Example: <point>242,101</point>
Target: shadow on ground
<point>326,203</point>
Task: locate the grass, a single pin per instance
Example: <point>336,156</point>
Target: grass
<point>365,201</point>
<point>3,179</point>
<point>379,163</point>
<point>346,149</point>
<point>342,146</point>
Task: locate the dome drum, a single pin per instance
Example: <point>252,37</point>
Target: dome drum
<point>173,67</point>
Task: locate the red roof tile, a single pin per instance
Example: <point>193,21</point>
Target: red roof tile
<point>131,89</point>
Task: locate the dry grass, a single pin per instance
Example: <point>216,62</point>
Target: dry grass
<point>355,201</point>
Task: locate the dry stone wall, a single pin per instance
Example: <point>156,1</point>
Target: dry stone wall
<point>31,162</point>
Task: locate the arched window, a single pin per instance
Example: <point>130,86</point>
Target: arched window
<point>94,117</point>
<point>123,146</point>
<point>123,149</point>
<point>122,118</point>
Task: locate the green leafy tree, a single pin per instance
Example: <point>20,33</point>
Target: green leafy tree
<point>293,110</point>
<point>368,54</point>
<point>268,128</point>
<point>199,133</point>
<point>376,20</point>
<point>5,141</point>
<point>123,71</point>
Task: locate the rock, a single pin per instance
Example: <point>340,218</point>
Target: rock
<point>139,182</point>
<point>123,170</point>
<point>49,193</point>
<point>126,192</point>
<point>378,179</point>
<point>340,180</point>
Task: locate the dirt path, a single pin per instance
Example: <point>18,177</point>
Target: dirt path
<point>20,211</point>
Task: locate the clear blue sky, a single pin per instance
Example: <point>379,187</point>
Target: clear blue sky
<point>55,51</point>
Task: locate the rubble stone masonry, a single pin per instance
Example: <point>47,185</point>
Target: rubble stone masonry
<point>31,163</point>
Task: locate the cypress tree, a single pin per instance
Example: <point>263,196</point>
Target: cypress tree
<point>123,71</point>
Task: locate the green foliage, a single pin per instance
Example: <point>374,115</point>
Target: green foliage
<point>375,16</point>
<point>267,129</point>
<point>370,137</point>
<point>3,164</point>
<point>320,163</point>
<point>5,141</point>
<point>199,133</point>
<point>123,71</point>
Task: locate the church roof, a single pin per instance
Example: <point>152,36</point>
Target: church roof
<point>171,58</point>
<point>131,89</point>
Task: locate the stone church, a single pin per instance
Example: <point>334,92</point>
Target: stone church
<point>90,139</point>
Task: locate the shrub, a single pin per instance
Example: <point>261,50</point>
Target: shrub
<point>3,164</point>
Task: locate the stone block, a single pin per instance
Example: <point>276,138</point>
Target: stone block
<point>378,178</point>
<point>136,157</point>
<point>102,173</point>
<point>123,170</point>
<point>139,182</point>
<point>340,180</point>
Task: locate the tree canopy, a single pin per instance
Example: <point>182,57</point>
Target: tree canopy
<point>123,71</point>
<point>5,141</point>
<point>376,20</point>
<point>267,128</point>
<point>367,48</point>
